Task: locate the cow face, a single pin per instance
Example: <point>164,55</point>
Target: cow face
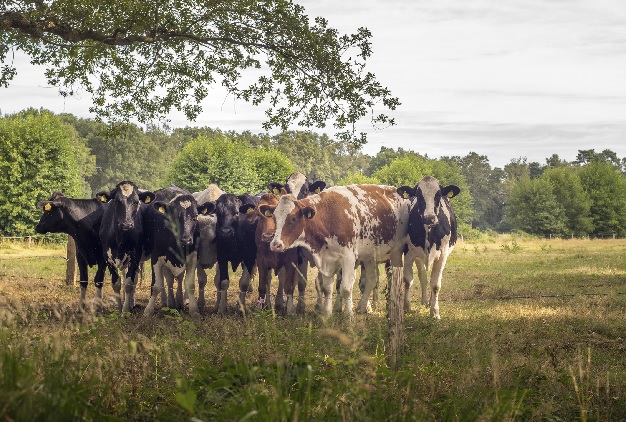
<point>52,220</point>
<point>181,216</point>
<point>267,224</point>
<point>291,219</point>
<point>125,200</point>
<point>428,197</point>
<point>297,184</point>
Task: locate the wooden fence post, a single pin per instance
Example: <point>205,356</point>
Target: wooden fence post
<point>395,317</point>
<point>70,269</point>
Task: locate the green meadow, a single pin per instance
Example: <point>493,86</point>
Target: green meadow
<point>530,329</point>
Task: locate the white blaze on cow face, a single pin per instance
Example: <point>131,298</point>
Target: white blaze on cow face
<point>126,189</point>
<point>295,183</point>
<point>286,205</point>
<point>429,200</point>
<point>185,204</point>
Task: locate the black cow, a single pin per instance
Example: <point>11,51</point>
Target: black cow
<point>121,234</point>
<point>170,238</point>
<point>79,218</point>
<point>207,251</point>
<point>432,235</point>
<point>235,245</point>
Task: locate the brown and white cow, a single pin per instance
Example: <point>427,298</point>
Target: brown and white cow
<point>432,235</point>
<point>341,226</point>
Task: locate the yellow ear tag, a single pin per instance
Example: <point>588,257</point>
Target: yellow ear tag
<point>205,211</point>
<point>318,190</point>
<point>405,195</point>
<point>268,213</point>
<point>310,215</point>
<point>47,207</point>
<point>250,211</point>
<point>162,210</point>
<point>276,191</point>
<point>148,200</point>
<point>103,198</point>
<point>450,194</point>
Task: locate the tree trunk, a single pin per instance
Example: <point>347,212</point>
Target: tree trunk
<point>395,317</point>
<point>70,269</point>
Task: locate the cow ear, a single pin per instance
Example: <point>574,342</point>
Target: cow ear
<point>45,205</point>
<point>267,211</point>
<point>206,208</point>
<point>451,191</point>
<point>317,187</point>
<point>247,209</point>
<point>308,212</point>
<point>406,191</point>
<point>160,206</point>
<point>103,197</point>
<point>275,188</point>
<point>146,197</point>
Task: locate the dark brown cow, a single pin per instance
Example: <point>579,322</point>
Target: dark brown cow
<point>342,226</point>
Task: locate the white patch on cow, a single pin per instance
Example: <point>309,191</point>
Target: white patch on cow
<point>185,204</point>
<point>295,183</point>
<point>286,204</point>
<point>126,189</point>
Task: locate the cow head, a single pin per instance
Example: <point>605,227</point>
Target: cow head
<point>266,228</point>
<point>229,217</point>
<point>181,215</point>
<point>291,217</point>
<point>428,196</point>
<point>52,220</point>
<point>297,184</point>
<point>125,200</point>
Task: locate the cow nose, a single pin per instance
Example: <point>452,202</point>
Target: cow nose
<point>226,231</point>
<point>186,241</point>
<point>267,237</point>
<point>430,220</point>
<point>127,226</point>
<point>277,246</point>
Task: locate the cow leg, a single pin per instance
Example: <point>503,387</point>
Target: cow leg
<point>244,283</point>
<point>129,287</point>
<point>369,276</point>
<point>202,280</point>
<point>301,275</point>
<point>84,280</point>
<point>117,287</point>
<point>98,280</point>
<point>319,282</point>
<point>290,276</point>
<point>190,286</point>
<point>435,285</point>
<point>422,274</point>
<point>327,288</point>
<point>222,296</point>
<point>348,275</point>
<point>265,276</point>
<point>280,291</point>
<point>338,301</point>
<point>169,279</point>
<point>155,288</point>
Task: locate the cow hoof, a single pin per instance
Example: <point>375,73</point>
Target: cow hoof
<point>301,307</point>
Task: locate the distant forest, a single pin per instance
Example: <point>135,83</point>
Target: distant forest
<point>41,152</point>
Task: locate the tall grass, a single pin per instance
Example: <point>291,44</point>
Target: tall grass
<point>535,334</point>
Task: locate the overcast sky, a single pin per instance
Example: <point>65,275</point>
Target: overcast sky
<point>507,78</point>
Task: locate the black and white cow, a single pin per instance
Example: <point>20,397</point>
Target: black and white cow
<point>235,245</point>
<point>79,218</point>
<point>207,246</point>
<point>432,234</point>
<point>170,238</point>
<point>121,234</point>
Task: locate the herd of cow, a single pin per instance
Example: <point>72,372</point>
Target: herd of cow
<point>298,224</point>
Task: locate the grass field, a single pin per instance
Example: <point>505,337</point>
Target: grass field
<point>530,330</point>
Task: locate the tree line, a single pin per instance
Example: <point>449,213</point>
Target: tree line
<point>41,152</point>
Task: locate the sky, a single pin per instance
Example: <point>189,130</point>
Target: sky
<point>507,79</point>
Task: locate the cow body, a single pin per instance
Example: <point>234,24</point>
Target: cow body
<point>432,234</point>
<point>81,219</point>
<point>207,246</point>
<point>340,227</point>
<point>235,245</point>
<point>121,234</point>
<point>170,238</point>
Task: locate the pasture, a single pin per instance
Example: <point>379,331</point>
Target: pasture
<point>530,329</point>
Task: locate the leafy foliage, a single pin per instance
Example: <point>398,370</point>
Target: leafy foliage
<point>606,188</point>
<point>145,59</point>
<point>38,154</point>
<point>233,165</point>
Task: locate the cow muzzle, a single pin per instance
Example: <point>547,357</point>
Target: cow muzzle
<point>277,245</point>
<point>430,220</point>
<point>126,227</point>
<point>267,237</point>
